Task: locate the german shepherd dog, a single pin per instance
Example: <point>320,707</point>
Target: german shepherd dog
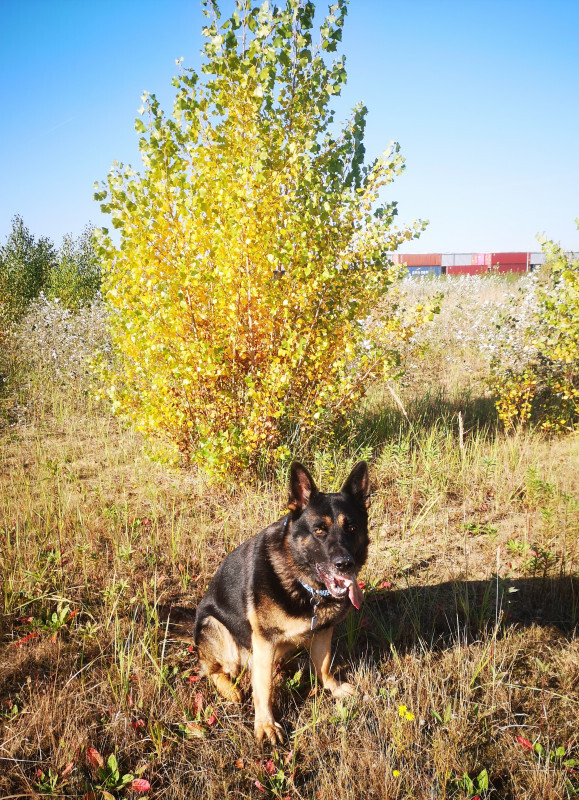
<point>286,588</point>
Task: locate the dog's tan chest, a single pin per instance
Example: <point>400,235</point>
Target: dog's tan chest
<point>273,622</point>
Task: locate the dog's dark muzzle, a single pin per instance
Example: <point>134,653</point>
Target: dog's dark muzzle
<point>343,562</point>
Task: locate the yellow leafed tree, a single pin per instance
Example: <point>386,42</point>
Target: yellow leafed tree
<point>253,247</point>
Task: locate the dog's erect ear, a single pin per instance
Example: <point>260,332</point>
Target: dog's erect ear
<point>358,484</point>
<point>302,487</point>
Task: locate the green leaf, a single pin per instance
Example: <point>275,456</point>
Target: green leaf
<point>483,780</point>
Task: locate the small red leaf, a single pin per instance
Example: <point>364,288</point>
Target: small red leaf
<point>95,758</point>
<point>140,785</point>
<point>269,767</point>
<point>198,703</point>
<point>67,770</point>
<point>525,743</point>
<point>20,642</point>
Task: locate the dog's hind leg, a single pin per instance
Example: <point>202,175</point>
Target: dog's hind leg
<point>220,658</point>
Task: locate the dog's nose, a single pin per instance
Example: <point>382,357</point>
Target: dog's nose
<point>343,562</point>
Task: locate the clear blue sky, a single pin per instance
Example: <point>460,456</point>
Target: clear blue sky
<point>482,96</point>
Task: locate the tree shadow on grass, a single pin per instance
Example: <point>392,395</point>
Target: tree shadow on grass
<point>385,419</point>
<point>442,614</point>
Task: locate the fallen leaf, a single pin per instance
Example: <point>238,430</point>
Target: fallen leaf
<point>140,785</point>
<point>525,743</point>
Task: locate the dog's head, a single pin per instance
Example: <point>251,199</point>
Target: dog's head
<point>329,531</point>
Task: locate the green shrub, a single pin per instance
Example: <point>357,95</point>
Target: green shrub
<point>24,267</point>
<point>75,276</point>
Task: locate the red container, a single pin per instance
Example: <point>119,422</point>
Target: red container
<point>507,258</point>
<point>420,260</point>
<point>466,269</point>
<point>478,259</point>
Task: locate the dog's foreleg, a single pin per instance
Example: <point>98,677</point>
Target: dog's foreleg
<point>321,656</point>
<point>262,685</point>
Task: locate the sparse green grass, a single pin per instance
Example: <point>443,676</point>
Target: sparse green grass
<point>466,641</point>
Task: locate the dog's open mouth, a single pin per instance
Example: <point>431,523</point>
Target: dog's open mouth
<point>340,585</point>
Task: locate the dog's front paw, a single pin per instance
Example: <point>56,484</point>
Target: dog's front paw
<point>268,729</point>
<point>343,690</point>
<point>226,688</point>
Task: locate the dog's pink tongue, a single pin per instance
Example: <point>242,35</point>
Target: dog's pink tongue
<point>355,594</point>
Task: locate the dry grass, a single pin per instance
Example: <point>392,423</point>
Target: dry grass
<point>467,640</point>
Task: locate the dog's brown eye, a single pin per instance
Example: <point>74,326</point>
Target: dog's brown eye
<point>351,528</point>
<point>320,531</point>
